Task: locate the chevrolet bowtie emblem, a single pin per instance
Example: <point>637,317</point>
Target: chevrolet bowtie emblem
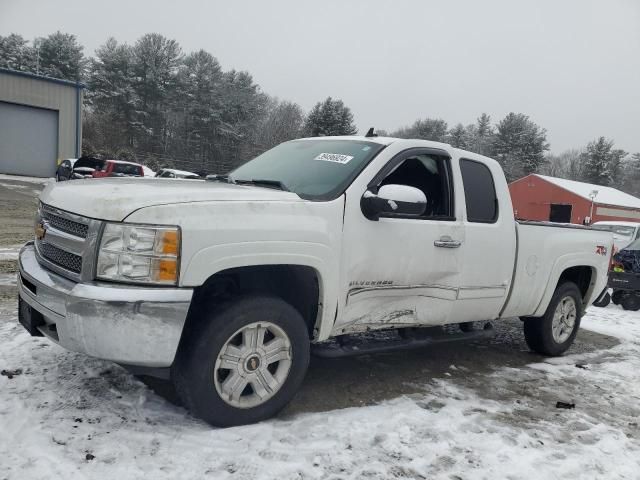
<point>41,229</point>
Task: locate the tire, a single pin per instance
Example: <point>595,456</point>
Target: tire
<point>255,386</point>
<point>606,300</point>
<point>539,332</point>
<point>630,301</point>
<point>617,295</point>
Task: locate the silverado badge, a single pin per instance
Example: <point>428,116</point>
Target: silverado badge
<point>41,229</point>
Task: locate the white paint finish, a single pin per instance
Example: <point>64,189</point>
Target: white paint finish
<point>402,193</point>
<point>488,252</point>
<point>115,198</point>
<point>414,281</point>
<point>400,251</point>
<point>220,235</point>
<point>552,250</point>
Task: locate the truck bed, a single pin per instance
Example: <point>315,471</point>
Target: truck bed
<point>543,253</point>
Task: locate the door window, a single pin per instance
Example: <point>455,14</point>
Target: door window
<point>430,174</point>
<point>479,191</point>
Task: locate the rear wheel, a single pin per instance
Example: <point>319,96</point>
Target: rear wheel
<point>630,301</point>
<point>554,332</point>
<point>245,364</point>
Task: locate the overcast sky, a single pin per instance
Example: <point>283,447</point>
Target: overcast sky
<point>572,65</point>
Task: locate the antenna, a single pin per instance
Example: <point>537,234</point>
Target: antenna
<point>371,133</point>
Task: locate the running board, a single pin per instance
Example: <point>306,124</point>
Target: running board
<point>352,345</point>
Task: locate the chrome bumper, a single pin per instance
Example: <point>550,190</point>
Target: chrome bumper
<point>125,324</point>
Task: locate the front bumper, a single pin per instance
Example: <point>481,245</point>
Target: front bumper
<point>126,324</point>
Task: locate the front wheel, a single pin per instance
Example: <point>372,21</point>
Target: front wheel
<point>245,363</point>
<point>554,332</point>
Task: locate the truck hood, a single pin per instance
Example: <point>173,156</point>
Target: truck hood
<point>116,198</point>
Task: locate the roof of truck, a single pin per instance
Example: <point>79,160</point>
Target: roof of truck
<point>606,195</point>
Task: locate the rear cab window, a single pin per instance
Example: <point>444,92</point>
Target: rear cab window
<point>479,192</point>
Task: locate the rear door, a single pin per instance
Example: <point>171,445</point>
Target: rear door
<point>489,252</point>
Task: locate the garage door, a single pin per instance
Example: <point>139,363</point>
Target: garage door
<point>28,140</point>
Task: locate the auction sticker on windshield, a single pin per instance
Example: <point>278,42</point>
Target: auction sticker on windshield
<point>334,157</point>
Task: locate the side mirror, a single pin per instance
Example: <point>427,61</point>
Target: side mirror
<point>401,200</point>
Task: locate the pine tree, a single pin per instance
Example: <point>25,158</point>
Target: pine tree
<point>602,162</point>
<point>59,55</point>
<point>519,145</point>
<point>16,54</point>
<point>434,129</point>
<point>483,135</point>
<point>331,117</point>
<point>110,95</point>
<point>458,137</point>
<point>631,175</point>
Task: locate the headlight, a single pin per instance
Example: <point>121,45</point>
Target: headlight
<point>139,254</point>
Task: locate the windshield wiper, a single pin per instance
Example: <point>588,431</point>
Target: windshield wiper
<point>259,182</point>
<point>218,178</point>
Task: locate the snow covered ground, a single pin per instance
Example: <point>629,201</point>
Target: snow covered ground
<point>21,178</point>
<point>68,416</point>
<point>10,253</point>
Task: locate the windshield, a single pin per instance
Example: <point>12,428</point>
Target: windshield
<point>314,169</point>
<point>88,162</point>
<point>126,169</point>
<point>634,245</point>
<point>624,231</point>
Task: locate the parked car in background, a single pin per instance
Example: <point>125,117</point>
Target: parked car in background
<point>65,169</point>
<point>624,233</point>
<point>148,172</point>
<point>84,167</point>
<point>173,173</point>
<point>119,168</point>
<point>624,279</point>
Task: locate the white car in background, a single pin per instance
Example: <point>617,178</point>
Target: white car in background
<point>173,173</point>
<point>623,232</point>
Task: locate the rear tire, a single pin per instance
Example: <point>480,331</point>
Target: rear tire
<point>554,332</point>
<point>606,300</point>
<point>630,301</point>
<point>245,362</point>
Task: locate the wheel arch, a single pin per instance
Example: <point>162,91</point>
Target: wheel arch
<point>583,275</point>
<point>299,285</point>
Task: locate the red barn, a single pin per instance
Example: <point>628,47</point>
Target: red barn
<point>538,197</point>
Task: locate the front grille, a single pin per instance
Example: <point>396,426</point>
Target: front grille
<point>66,260</point>
<point>66,225</point>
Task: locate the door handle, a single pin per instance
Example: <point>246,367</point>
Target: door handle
<point>447,242</point>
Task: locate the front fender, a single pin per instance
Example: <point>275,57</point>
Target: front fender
<point>211,260</point>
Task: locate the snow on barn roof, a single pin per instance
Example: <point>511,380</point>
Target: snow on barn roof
<point>606,195</point>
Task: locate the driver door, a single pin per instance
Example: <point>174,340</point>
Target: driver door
<point>402,270</point>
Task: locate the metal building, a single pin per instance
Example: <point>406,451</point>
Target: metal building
<point>40,122</point>
<point>538,197</point>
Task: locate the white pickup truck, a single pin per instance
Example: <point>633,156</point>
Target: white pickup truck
<point>224,286</point>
